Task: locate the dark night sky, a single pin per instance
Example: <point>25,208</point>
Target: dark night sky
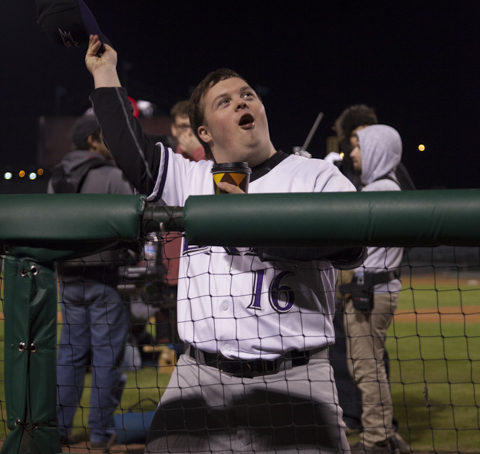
<point>416,63</point>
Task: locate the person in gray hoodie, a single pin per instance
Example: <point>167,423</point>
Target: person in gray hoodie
<point>377,150</point>
<point>95,317</point>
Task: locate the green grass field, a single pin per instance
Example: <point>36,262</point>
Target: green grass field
<point>435,372</point>
<point>435,375</point>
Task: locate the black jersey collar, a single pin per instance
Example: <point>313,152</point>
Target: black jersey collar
<point>265,167</point>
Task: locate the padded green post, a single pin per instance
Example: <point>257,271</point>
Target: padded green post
<point>409,218</point>
<point>30,310</point>
<point>35,231</point>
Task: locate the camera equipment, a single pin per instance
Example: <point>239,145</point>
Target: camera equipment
<point>145,279</point>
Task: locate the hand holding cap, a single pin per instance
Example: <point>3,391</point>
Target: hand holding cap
<point>69,23</point>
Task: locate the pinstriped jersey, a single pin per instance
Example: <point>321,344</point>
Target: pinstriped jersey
<point>231,302</point>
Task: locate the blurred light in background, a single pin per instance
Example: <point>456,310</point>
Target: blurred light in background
<point>421,147</point>
<point>10,173</point>
<point>24,179</point>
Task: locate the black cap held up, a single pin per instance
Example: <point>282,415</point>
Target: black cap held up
<point>69,23</point>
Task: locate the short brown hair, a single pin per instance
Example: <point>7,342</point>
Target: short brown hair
<point>196,110</point>
<point>180,109</point>
<point>349,120</point>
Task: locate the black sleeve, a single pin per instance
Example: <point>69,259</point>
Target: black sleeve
<point>134,152</point>
<point>341,258</point>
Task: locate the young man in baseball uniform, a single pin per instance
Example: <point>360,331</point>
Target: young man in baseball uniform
<point>256,376</point>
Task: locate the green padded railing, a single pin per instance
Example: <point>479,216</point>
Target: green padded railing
<point>68,225</point>
<point>410,218</point>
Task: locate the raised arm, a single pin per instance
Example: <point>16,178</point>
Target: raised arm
<point>134,152</point>
<point>102,67</point>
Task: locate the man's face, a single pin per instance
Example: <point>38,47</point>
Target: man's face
<point>235,123</point>
<point>182,124</point>
<point>356,153</point>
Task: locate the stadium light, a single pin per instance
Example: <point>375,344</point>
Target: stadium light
<point>32,176</point>
<point>8,175</point>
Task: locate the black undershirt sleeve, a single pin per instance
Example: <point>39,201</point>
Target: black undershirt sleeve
<point>134,152</point>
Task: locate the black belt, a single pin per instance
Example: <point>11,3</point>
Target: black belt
<point>250,368</point>
<point>370,279</point>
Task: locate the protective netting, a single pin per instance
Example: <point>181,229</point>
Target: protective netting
<point>432,365</point>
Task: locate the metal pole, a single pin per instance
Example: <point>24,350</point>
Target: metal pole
<point>161,219</point>
<point>312,131</point>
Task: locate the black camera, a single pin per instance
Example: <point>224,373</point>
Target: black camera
<point>145,279</point>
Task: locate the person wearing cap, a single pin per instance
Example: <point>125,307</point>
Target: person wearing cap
<point>95,320</point>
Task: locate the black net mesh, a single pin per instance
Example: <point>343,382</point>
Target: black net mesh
<point>118,337</point>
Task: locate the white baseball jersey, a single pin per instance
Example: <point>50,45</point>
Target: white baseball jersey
<point>231,302</point>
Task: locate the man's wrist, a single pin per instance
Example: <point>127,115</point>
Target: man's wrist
<point>106,76</point>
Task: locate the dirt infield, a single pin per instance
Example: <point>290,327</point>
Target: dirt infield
<point>466,314</point>
<point>452,314</point>
<point>440,279</point>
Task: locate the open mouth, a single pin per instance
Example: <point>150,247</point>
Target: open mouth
<point>247,121</point>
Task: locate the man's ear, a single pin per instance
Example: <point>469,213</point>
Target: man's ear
<point>93,143</point>
<point>204,134</point>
